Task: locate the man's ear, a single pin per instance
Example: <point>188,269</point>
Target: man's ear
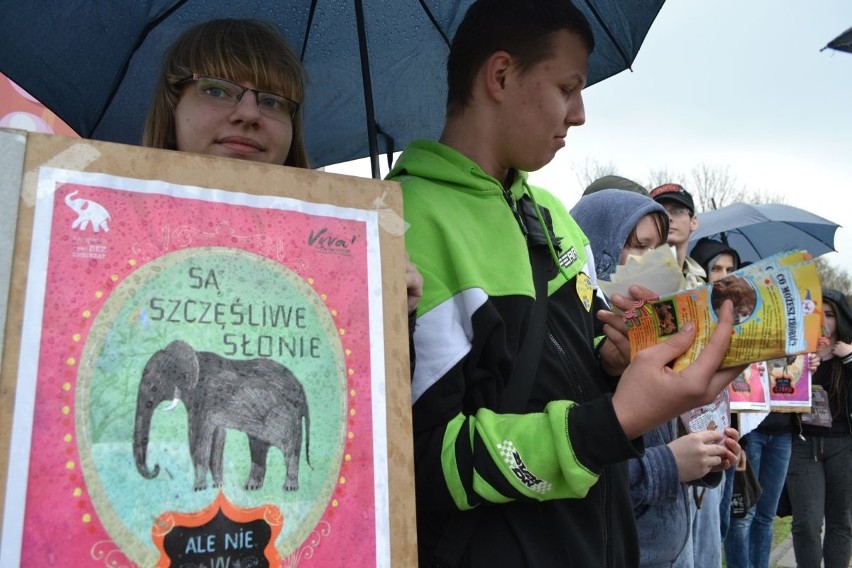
<point>693,224</point>
<point>495,70</point>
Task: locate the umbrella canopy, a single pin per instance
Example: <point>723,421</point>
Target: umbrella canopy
<point>759,231</point>
<point>95,63</point>
<point>843,42</point>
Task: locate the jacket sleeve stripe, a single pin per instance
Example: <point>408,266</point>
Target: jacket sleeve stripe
<point>512,457</point>
<point>442,337</point>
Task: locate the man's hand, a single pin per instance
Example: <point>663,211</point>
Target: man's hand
<point>650,393</point>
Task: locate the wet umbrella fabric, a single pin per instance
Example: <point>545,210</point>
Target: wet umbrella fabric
<point>95,63</point>
<point>759,231</point>
<point>843,42</point>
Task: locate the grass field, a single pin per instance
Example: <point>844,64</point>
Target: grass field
<point>780,529</point>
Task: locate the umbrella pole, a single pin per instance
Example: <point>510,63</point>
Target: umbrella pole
<point>368,90</point>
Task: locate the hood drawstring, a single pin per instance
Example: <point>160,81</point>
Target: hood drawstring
<point>550,245</point>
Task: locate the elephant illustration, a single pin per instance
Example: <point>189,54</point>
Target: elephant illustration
<point>87,212</point>
<point>260,397</point>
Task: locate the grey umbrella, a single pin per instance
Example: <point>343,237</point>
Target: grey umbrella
<point>759,231</point>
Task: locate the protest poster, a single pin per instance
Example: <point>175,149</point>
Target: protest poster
<point>208,360</point>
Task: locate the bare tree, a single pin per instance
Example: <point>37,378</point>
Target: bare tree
<point>715,186</point>
<point>712,186</point>
<point>592,170</point>
<point>832,276</point>
<point>659,176</point>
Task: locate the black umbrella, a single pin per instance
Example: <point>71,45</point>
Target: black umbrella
<point>376,68</point>
<point>843,42</point>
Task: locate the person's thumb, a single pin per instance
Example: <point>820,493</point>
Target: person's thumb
<point>674,346</point>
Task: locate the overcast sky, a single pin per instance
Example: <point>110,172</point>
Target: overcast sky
<point>740,84</point>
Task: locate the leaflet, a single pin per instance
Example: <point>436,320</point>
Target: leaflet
<point>777,312</point>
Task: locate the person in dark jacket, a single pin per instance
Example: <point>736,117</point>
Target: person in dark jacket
<point>819,477</point>
<point>620,223</point>
<point>520,456</point>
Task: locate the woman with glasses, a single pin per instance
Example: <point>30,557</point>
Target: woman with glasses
<point>234,89</point>
<point>230,88</point>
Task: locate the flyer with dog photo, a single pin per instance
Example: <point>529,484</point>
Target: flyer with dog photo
<point>777,312</point>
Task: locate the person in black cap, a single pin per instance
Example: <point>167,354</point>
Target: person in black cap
<point>682,223</point>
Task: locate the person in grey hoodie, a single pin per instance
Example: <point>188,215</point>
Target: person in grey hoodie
<point>619,223</point>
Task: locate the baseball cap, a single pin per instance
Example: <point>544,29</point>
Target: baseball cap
<point>673,192</point>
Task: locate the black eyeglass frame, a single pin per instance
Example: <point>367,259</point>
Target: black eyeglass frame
<point>257,92</point>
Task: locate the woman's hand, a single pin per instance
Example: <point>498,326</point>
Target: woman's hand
<point>841,349</point>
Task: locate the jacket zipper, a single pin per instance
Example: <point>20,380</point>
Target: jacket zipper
<point>563,357</point>
<point>603,481</point>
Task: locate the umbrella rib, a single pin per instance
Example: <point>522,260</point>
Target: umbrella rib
<point>606,30</point>
<point>434,22</point>
<point>139,40</point>
<point>308,29</point>
<point>372,135</point>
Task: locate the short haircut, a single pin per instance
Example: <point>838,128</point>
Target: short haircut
<point>237,50</point>
<point>522,28</point>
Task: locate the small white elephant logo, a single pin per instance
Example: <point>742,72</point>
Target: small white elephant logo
<point>88,212</point>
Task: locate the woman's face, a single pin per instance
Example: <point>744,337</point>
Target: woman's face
<point>239,132</point>
<point>830,320</point>
<point>647,237</point>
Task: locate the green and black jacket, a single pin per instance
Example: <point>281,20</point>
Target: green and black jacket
<point>551,484</point>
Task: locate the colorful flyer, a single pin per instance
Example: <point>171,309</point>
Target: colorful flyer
<point>750,390</point>
<point>715,416</point>
<point>777,312</point>
<point>200,381</point>
<point>789,384</point>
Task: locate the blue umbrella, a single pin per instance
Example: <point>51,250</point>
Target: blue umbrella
<point>759,231</point>
<point>376,68</point>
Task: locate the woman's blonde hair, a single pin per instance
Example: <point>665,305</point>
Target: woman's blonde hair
<point>237,50</point>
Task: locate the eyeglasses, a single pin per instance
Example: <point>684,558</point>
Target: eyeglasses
<point>678,212</point>
<point>226,94</point>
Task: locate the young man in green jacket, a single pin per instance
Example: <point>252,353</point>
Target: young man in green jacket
<point>536,475</point>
